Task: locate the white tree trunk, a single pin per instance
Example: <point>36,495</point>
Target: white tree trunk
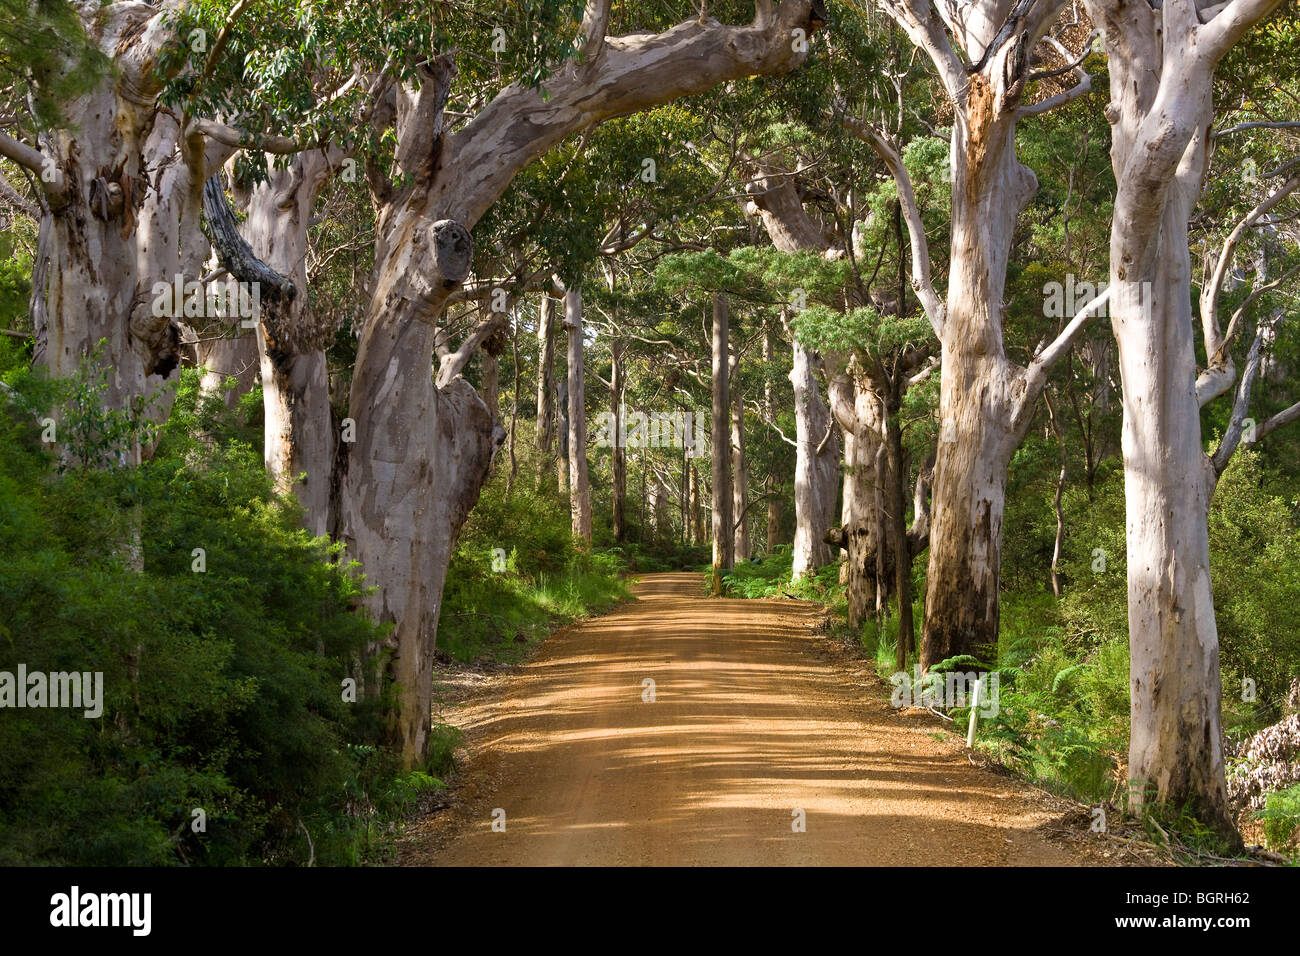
<point>723,542</point>
<point>299,438</point>
<point>1161,70</point>
<point>116,226</point>
<point>816,468</point>
<point>618,489</point>
<point>579,484</point>
<point>739,474</point>
<point>546,377</point>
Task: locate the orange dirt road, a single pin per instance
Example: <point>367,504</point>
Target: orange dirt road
<point>752,720</point>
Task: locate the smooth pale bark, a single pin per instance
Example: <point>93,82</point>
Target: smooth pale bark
<point>772,537</point>
<point>579,484</point>
<point>1161,70</point>
<point>654,510</point>
<point>618,490</point>
<point>697,511</point>
<point>562,434</point>
<point>723,540</point>
<point>660,499</point>
<point>546,377</point>
<point>120,219</point>
<point>739,473</point>
<point>817,467</point>
<point>684,496</point>
<point>299,437</point>
<point>976,400</point>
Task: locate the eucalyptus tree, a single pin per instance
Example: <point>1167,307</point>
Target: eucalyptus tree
<point>414,446</point>
<point>984,59</point>
<point>1162,62</point>
<point>423,443</point>
<point>120,192</point>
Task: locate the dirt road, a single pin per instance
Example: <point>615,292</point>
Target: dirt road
<point>750,723</point>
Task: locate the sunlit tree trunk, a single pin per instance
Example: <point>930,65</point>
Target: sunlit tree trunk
<point>739,471</point>
<point>1162,66</point>
<point>618,491</point>
<point>723,541</point>
<point>579,484</point>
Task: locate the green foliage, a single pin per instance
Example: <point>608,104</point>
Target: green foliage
<point>498,613</point>
<point>771,575</point>
<point>45,53</point>
<point>1281,818</point>
<point>221,688</point>
<point>92,433</point>
<point>1063,704</point>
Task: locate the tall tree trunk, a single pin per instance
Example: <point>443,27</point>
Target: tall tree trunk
<point>869,554</point>
<point>697,512</point>
<point>897,511</point>
<point>299,438</point>
<point>816,470</point>
<point>772,536</point>
<point>618,492</point>
<point>1058,539</point>
<point>562,434</point>
<point>579,485</point>
<point>123,215</point>
<point>514,405</point>
<point>684,497</point>
<point>422,451</point>
<point>723,542</point>
<point>739,471</point>
<point>978,391</point>
<point>1162,66</point>
<point>545,434</point>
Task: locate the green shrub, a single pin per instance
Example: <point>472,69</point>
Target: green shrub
<point>221,685</point>
<point>1281,818</point>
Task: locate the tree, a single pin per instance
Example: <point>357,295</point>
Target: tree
<point>724,557</point>
<point>423,446</point>
<point>986,399</point>
<point>1162,65</point>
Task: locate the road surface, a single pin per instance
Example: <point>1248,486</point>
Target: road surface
<point>758,748</point>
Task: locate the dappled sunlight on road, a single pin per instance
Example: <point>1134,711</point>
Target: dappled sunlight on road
<point>748,726</point>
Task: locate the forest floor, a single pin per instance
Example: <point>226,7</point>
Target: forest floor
<point>755,715</point>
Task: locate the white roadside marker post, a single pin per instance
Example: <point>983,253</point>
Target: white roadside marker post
<point>974,707</point>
